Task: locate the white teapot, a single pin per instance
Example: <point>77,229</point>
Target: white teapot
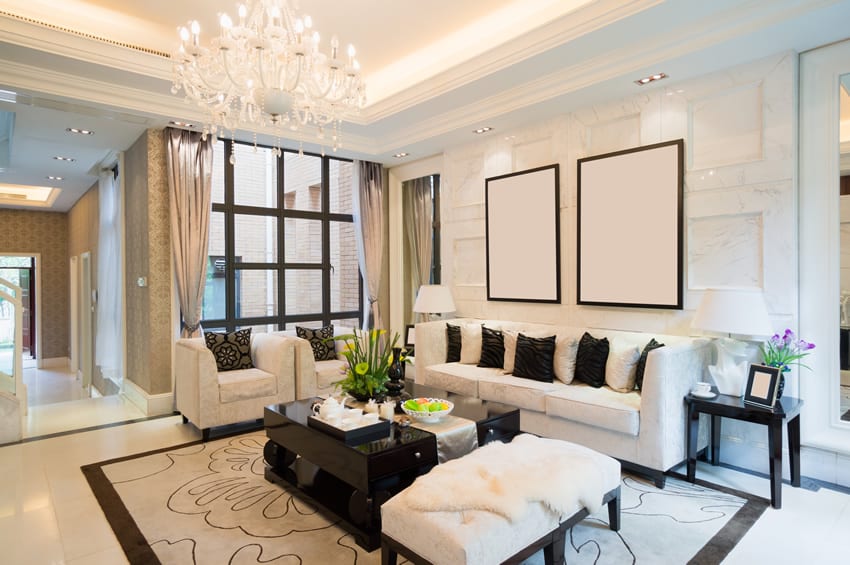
<point>330,408</point>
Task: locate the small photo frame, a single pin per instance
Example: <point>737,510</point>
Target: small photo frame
<point>409,338</point>
<point>762,383</point>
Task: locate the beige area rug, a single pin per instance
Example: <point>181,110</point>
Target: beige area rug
<point>210,504</point>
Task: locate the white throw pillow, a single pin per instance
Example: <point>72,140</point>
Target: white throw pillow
<point>510,349</point>
<point>564,363</point>
<point>621,367</point>
<point>470,343</point>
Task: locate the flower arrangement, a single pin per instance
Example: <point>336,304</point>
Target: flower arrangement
<point>369,355</point>
<point>784,350</point>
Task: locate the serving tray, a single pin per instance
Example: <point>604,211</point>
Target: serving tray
<point>353,436</point>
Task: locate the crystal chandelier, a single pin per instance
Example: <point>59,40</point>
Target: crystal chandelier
<point>267,70</point>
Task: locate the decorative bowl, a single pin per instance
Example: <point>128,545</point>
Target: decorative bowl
<point>428,416</point>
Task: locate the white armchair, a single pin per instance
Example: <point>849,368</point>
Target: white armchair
<point>209,398</point>
<point>316,378</point>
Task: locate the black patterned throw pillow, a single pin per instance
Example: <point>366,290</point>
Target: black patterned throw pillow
<point>492,348</point>
<point>534,356</point>
<point>232,351</point>
<point>641,364</point>
<point>320,340</point>
<point>591,357</point>
<point>452,343</point>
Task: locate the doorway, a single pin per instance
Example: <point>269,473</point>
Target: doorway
<point>20,270</point>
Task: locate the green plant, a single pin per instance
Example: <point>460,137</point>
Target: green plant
<point>369,355</point>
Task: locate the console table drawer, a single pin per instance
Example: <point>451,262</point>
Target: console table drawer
<point>409,457</point>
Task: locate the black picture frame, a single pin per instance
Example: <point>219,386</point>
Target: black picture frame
<point>523,235</point>
<point>409,338</point>
<point>762,386</point>
<point>630,222</point>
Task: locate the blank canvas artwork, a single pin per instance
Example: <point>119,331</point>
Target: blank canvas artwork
<point>523,236</point>
<point>630,227</point>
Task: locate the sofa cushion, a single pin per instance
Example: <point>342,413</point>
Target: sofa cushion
<point>641,364</point>
<point>329,371</point>
<point>245,384</point>
<point>320,341</point>
<point>534,358</point>
<point>470,343</point>
<point>564,362</point>
<point>600,407</point>
<point>492,348</point>
<point>516,391</point>
<point>590,360</point>
<point>452,343</point>
<point>621,365</point>
<point>232,351</point>
<point>509,337</point>
<point>457,377</point>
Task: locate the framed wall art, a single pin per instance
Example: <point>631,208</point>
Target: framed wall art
<point>524,236</point>
<point>629,224</point>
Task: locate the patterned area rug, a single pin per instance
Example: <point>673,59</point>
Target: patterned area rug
<point>209,504</point>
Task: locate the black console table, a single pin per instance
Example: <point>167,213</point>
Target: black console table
<point>787,409</point>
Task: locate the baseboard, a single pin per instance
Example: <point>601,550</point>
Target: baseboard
<point>150,404</point>
<point>53,362</point>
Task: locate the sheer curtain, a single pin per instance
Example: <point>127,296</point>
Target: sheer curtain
<point>369,219</point>
<point>109,339</point>
<point>189,160</point>
<point>418,223</point>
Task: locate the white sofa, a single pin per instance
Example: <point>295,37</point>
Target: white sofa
<point>644,429</point>
<point>314,378</point>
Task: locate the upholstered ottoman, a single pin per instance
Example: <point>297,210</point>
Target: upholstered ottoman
<point>502,502</point>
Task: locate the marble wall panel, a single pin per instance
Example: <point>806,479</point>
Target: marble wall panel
<point>725,251</point>
<point>726,128</point>
<point>531,154</point>
<point>470,260</point>
<point>614,135</point>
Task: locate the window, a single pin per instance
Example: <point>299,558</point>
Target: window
<point>282,247</point>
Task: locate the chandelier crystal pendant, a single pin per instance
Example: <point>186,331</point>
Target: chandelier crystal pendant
<point>266,69</point>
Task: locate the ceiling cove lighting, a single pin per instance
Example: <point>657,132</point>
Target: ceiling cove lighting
<point>482,130</point>
<point>41,196</point>
<point>400,155</point>
<point>651,78</point>
<point>80,131</point>
<point>66,159</point>
<point>266,68</point>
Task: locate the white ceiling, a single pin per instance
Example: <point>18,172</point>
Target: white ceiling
<point>435,70</point>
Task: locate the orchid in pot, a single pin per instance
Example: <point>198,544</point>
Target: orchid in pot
<point>369,354</point>
<point>785,350</point>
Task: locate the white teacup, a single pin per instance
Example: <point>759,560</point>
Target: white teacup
<point>369,418</point>
<point>371,406</point>
<point>387,410</point>
<point>702,387</point>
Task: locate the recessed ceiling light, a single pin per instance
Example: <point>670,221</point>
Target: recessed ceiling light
<point>400,155</point>
<point>8,96</point>
<point>650,78</point>
<point>61,158</point>
<point>80,131</point>
<point>181,124</point>
<point>482,130</point>
<point>51,177</point>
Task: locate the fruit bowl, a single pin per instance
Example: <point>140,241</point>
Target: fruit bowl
<point>430,409</point>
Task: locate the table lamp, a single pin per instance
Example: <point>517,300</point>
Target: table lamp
<point>739,311</point>
<point>434,299</point>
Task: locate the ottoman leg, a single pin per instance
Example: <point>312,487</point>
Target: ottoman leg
<point>553,553</point>
<point>388,555</point>
<point>614,512</point>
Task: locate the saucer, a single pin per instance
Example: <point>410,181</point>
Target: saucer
<point>709,394</point>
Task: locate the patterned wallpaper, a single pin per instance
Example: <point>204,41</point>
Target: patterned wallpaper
<point>25,231</point>
<point>148,248</point>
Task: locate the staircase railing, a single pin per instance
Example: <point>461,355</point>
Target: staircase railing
<point>12,388</point>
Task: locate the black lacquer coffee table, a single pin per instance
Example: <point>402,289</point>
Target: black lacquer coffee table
<point>352,481</point>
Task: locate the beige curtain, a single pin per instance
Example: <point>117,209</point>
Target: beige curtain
<point>369,219</point>
<point>418,218</point>
<point>189,184</point>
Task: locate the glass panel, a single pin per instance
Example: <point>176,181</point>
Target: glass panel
<point>7,345</point>
<point>844,227</point>
<point>303,240</point>
<point>262,329</point>
<point>218,173</point>
<point>302,182</point>
<point>256,293</point>
<point>255,239</point>
<point>349,323</point>
<point>345,272</point>
<point>255,176</point>
<point>16,261</point>
<point>341,174</point>
<point>303,291</point>
<point>215,296</point>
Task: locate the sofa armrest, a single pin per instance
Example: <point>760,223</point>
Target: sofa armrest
<point>306,384</point>
<point>431,345</point>
<point>671,372</point>
<point>196,378</point>
<point>276,355</point>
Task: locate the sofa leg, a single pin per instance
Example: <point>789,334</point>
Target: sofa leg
<point>614,512</point>
<point>185,419</point>
<point>660,480</point>
<point>205,435</point>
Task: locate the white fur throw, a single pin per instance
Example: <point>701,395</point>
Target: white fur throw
<point>504,478</point>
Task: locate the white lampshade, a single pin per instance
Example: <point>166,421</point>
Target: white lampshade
<point>740,311</point>
<point>434,299</point>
